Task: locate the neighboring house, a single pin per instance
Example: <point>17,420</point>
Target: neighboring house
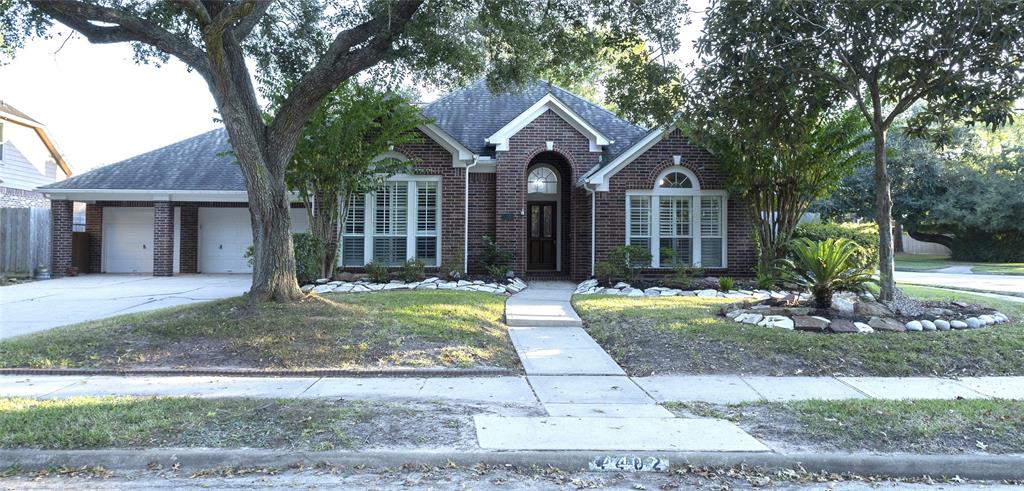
<point>554,178</point>
<point>28,159</point>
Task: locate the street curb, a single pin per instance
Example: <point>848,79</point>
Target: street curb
<point>969,466</point>
<point>229,372</point>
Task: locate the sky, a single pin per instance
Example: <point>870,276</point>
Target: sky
<point>101,107</point>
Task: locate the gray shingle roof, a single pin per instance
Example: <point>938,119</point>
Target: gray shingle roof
<point>198,163</point>
<point>469,115</point>
<point>472,114</point>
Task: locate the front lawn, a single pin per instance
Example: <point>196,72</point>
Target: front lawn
<point>299,424</point>
<point>339,331</point>
<point>931,262</point>
<point>660,335</point>
<point>922,426</point>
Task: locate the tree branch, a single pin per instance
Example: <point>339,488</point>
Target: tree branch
<point>128,27</point>
<point>247,23</point>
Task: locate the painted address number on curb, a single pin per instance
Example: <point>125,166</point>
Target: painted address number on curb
<point>628,463</point>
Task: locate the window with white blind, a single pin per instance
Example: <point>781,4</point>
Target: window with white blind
<point>679,222</point>
<point>399,221</point>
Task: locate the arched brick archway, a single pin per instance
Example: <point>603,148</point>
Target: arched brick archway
<point>548,227</point>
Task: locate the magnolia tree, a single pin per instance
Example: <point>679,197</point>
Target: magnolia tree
<point>309,47</point>
<point>961,59</point>
<point>344,153</point>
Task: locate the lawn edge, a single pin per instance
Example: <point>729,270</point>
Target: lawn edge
<point>229,372</point>
<point>969,466</point>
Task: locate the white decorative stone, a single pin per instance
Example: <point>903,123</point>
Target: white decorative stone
<point>863,328</point>
<point>335,283</point>
<point>652,292</point>
<point>447,285</point>
<point>988,320</point>
<point>733,314</point>
<point>462,283</point>
<point>426,286</point>
<point>635,292</point>
<point>707,293</point>
<point>323,288</point>
<point>620,285</point>
<point>928,325</point>
<point>307,288</point>
<point>958,325</point>
<point>344,288</point>
<point>842,304</point>
<point>376,287</point>
<point>776,321</point>
<point>750,318</point>
<point>914,326</point>
<point>941,324</point>
<point>478,282</point>
<point>973,322</point>
<point>321,281</point>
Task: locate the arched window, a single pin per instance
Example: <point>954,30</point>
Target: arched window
<point>675,180</point>
<point>542,180</point>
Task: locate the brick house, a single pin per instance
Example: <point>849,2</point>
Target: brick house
<point>29,158</point>
<point>555,179</point>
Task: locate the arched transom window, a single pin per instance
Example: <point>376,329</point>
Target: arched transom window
<point>542,180</point>
<point>675,180</point>
<point>680,223</point>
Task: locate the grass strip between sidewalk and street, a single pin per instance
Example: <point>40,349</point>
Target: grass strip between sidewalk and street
<point>917,426</point>
<point>685,335</point>
<point>932,262</point>
<point>422,329</point>
<point>170,422</point>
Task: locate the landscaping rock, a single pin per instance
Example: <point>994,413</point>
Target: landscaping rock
<point>777,321</point>
<point>750,318</point>
<point>942,324</point>
<point>343,288</point>
<point>586,285</point>
<point>842,326</point>
<point>733,314</point>
<point>620,285</point>
<point>321,281</point>
<point>307,288</point>
<point>886,324</point>
<point>958,325</point>
<point>707,293</point>
<point>973,322</point>
<point>808,323</point>
<point>988,320</point>
<point>928,325</point>
<point>635,292</point>
<point>323,288</point>
<point>871,309</point>
<point>462,283</point>
<point>914,326</point>
<point>427,286</point>
<point>863,328</point>
<point>842,304</point>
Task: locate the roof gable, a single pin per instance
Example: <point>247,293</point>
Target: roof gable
<point>551,103</point>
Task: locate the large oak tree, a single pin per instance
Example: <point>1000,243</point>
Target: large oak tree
<point>312,46</point>
<point>784,60</point>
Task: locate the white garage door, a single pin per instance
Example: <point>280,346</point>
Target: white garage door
<point>225,234</point>
<point>128,240</point>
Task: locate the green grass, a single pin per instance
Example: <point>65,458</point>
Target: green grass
<point>931,262</point>
<point>134,422</point>
<point>418,329</point>
<point>929,426</point>
<point>685,335</point>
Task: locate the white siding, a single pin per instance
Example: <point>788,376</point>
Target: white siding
<point>27,164</point>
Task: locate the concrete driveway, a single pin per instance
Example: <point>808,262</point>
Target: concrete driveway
<point>42,305</point>
<point>1010,284</point>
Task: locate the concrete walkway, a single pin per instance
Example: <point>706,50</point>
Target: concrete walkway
<point>41,305</point>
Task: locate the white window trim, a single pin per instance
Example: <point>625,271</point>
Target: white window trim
<point>695,215</point>
<point>412,212</point>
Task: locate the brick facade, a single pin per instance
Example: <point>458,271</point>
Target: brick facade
<point>481,215</point>
<point>188,256</point>
<point>61,221</point>
<point>163,238</point>
<point>94,231</point>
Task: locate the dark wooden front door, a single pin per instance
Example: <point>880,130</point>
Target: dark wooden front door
<point>541,230</point>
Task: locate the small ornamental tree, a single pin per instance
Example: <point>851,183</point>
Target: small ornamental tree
<point>344,152</point>
<point>785,60</point>
<point>310,47</point>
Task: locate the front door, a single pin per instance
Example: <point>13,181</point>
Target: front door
<point>541,231</point>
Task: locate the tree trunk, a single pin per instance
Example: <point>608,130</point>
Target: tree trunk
<point>897,238</point>
<point>274,272</point>
<point>883,217</point>
<point>323,225</point>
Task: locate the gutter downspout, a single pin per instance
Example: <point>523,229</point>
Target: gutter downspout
<point>465,220</point>
<point>593,231</point>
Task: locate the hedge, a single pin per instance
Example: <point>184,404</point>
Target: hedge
<point>864,234</point>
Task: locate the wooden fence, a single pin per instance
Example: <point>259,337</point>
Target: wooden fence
<point>24,240</point>
<point>913,246</point>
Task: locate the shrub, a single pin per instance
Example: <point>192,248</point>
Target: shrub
<point>864,235</point>
<point>682,277</point>
<point>412,270</point>
<point>627,261</point>
<point>497,272</point>
<point>308,254</point>
<point>826,267</point>
<point>606,272</point>
<point>765,281</point>
<point>494,256</point>
<point>378,272</point>
<point>725,283</point>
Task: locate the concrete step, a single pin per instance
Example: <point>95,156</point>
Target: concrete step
<point>573,433</point>
<point>561,351</point>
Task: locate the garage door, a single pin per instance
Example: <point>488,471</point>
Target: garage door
<point>225,234</point>
<point>128,240</point>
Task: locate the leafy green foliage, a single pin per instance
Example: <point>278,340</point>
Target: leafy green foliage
<point>626,261</point>
<point>495,259</point>
<point>726,283</point>
<point>412,270</point>
<point>865,235</point>
<point>826,267</point>
<point>308,253</point>
<point>378,272</point>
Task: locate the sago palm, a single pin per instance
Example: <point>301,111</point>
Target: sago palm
<point>826,267</point>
